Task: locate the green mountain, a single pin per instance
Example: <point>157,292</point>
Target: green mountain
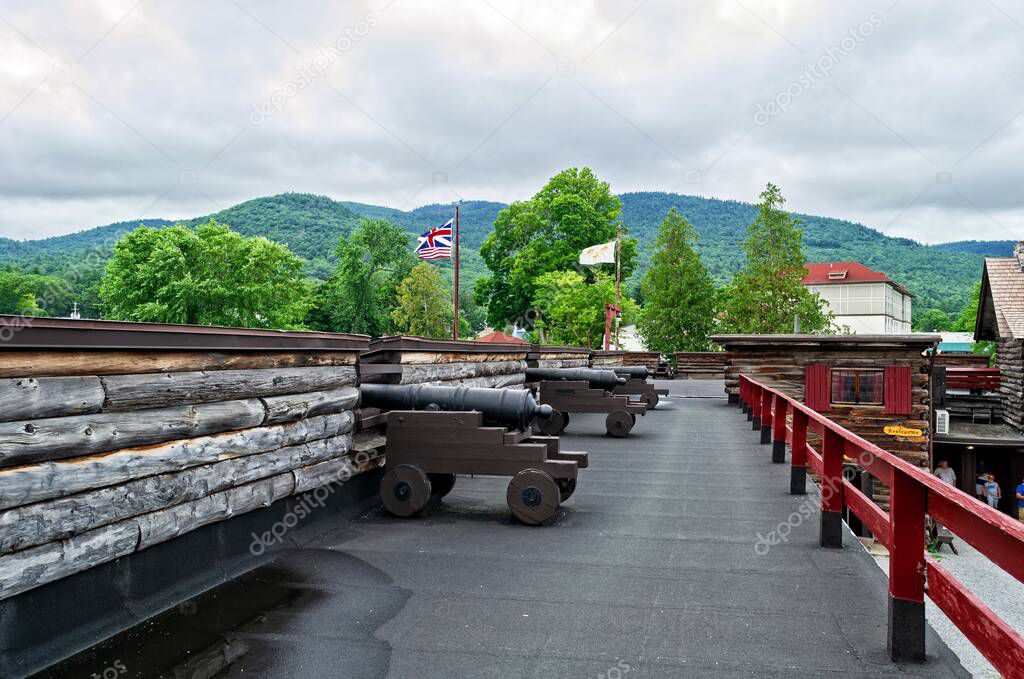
<point>941,276</point>
<point>986,248</point>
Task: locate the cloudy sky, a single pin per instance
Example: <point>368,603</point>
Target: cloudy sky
<point>906,115</point>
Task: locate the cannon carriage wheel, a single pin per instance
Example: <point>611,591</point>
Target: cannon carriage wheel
<point>566,487</point>
<point>554,425</point>
<point>405,490</point>
<point>619,423</point>
<point>441,484</point>
<point>652,401</point>
<point>533,496</point>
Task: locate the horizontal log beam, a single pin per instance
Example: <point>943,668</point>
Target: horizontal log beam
<point>47,480</point>
<point>32,397</point>
<point>133,392</point>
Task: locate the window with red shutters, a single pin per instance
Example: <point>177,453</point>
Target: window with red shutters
<point>898,390</point>
<point>817,386</point>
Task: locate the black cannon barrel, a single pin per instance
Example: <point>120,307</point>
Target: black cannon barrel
<point>638,371</point>
<point>603,379</point>
<point>509,407</point>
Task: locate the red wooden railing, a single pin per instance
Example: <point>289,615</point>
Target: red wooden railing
<point>975,379</point>
<point>914,493</point>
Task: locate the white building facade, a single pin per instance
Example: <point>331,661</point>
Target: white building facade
<point>865,301</point>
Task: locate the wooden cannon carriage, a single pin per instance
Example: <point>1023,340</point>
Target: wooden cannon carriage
<point>583,390</point>
<point>435,433</point>
<point>638,386</point>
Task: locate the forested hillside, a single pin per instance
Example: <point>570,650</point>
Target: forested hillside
<point>941,276</point>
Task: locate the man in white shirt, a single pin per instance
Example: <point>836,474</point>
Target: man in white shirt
<point>945,473</point>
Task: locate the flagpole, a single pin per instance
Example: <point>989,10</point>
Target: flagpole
<point>455,300</point>
<point>618,284</point>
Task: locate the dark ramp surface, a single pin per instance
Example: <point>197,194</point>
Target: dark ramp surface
<point>651,570</point>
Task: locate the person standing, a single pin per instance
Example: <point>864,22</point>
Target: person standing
<point>993,493</point>
<point>1020,501</point>
<point>945,473</point>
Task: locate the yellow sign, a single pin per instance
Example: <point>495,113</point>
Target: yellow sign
<point>900,430</point>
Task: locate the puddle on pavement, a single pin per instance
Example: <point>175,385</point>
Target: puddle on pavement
<point>309,609</point>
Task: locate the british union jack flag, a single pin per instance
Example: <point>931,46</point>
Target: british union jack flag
<point>436,243</point>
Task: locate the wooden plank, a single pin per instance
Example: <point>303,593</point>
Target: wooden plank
<point>47,480</point>
<point>62,518</point>
<point>1000,643</point>
<point>65,362</point>
<point>31,397</point>
<point>419,357</point>
<point>132,392</point>
<point>62,437</point>
<point>293,407</point>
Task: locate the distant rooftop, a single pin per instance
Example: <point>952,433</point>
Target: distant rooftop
<point>498,337</point>
<point>1001,305</point>
<point>820,273</point>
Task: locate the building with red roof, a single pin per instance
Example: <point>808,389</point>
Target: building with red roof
<point>868,302</point>
<point>500,338</point>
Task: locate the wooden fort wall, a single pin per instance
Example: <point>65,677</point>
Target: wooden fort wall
<point>115,437</point>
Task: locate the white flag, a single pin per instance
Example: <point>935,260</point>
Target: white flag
<point>599,254</point>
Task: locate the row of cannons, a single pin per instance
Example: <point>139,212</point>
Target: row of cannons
<point>437,432</point>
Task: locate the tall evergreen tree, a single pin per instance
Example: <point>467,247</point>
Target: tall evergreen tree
<point>679,293</point>
<point>766,296</point>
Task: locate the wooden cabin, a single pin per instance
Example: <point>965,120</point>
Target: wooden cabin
<point>877,386</point>
<point>1001,320</point>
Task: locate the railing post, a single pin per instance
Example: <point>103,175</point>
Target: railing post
<point>798,455</point>
<point>907,506</point>
<point>779,429</point>
<point>766,417</point>
<point>748,406</point>
<point>755,406</point>
<point>831,490</point>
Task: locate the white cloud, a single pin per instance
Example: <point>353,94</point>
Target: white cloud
<point>502,94</point>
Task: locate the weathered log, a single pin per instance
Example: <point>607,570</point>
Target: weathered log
<point>434,372</point>
<point>418,357</point>
<point>47,480</point>
<point>563,363</point>
<point>511,380</point>
<point>30,568</point>
<point>31,397</point>
<point>336,471</point>
<point>56,363</point>
<point>132,392</point>
<point>169,523</point>
<point>297,406</point>
<point>61,437</point>
<point>44,522</point>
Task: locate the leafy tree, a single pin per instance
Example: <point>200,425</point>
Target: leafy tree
<point>766,295</point>
<point>207,276</point>
<point>545,234</point>
<point>969,316</point>
<point>932,320</point>
<point>572,310</point>
<point>359,295</point>
<point>29,294</point>
<point>679,293</point>
<point>424,304</point>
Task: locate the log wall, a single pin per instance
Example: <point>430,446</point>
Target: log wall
<point>415,360</point>
<point>700,365</point>
<point>544,356</point>
<point>108,451</point>
<point>606,359</point>
<point>1010,361</point>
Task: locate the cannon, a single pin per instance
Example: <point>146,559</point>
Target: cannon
<point>509,407</point>
<point>632,371</point>
<point>597,379</point>
<point>583,390</point>
<point>435,433</point>
<point>638,386</point>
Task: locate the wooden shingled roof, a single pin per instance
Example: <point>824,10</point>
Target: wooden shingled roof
<point>1001,307</point>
